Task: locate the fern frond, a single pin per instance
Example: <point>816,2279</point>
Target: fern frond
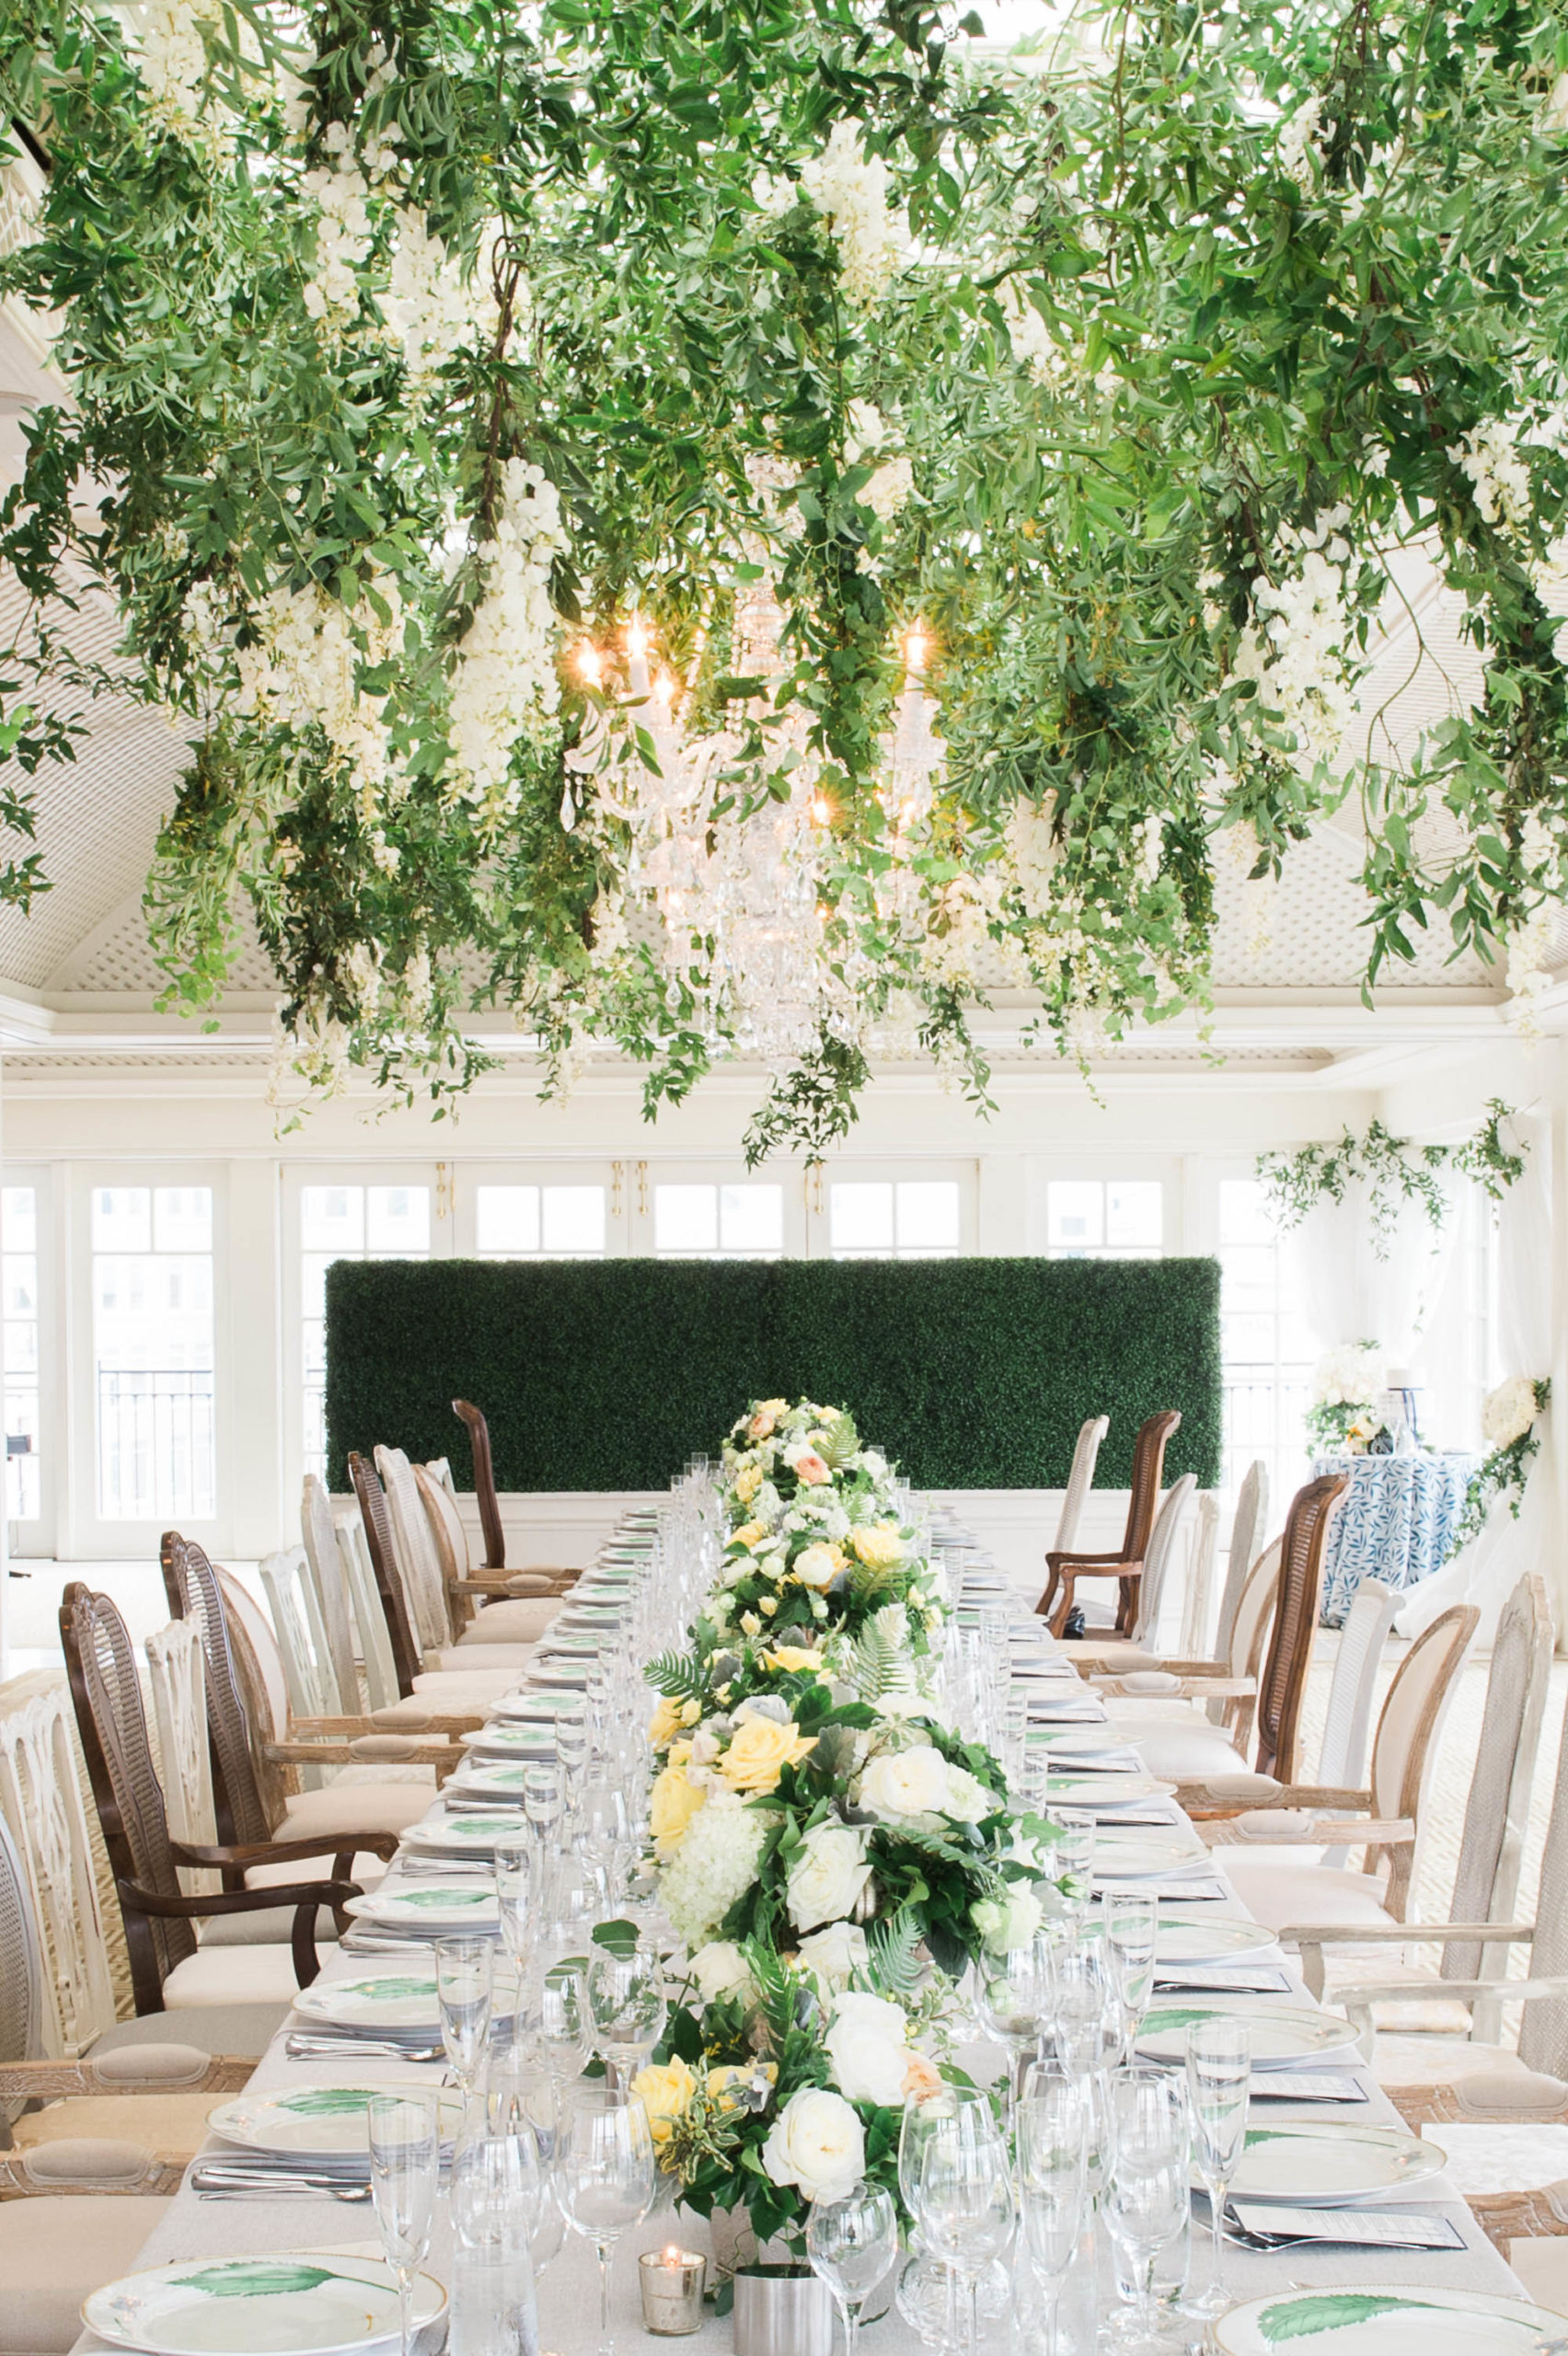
<point>891,1946</point>
<point>878,1659</point>
<point>680,1677</point>
<point>840,1440</point>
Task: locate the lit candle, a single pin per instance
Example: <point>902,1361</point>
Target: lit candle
<point>672,2282</point>
<point>914,650</point>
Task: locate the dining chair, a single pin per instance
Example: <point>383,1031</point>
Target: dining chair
<point>1125,1564</point>
<point>1153,1707</point>
<point>1158,1554</point>
<point>344,1584</point>
<point>431,1689</point>
<point>1080,1480</point>
<point>1248,1524</point>
<point>170,1966</point>
<point>516,1607</point>
<point>440,1616</point>
<point>1205,1555</point>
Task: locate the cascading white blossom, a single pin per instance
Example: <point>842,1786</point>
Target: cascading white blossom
<point>1240,846</point>
<point>1300,656</point>
<point>302,670</point>
<point>432,310</point>
<point>1549,579</point>
<point>1499,480</point>
<point>331,292</point>
<point>868,440</point>
<point>1034,853</point>
<point>505,681</point>
<point>1531,943</point>
<point>1298,144</point>
<point>850,190</point>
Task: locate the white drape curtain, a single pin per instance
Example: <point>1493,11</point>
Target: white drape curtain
<point>1486,1571</point>
<point>1349,1294</point>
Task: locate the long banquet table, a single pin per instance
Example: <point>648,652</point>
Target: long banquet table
<point>194,2227</point>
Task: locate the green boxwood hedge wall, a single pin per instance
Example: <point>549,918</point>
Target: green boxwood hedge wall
<point>608,1374</point>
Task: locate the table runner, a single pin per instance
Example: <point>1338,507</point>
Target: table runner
<point>192,2228</point>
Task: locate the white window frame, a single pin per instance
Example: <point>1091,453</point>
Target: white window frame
<point>467,1177</point>
<point>728,1170</point>
<point>845,1170</point>
<point>36,1536</point>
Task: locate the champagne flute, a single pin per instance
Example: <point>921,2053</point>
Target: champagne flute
<point>1146,2193</point>
<point>1052,2139</point>
<point>517,1879</point>
<point>605,2177</point>
<point>1219,2069</point>
<point>404,2157</point>
<point>544,1797</point>
<point>465,1986</point>
<point>850,2243</point>
<point>1132,1923</point>
<point>1073,1856</point>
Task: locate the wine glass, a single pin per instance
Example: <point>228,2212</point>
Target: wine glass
<point>1146,2193</point>
<point>405,2156</point>
<point>1132,1924</point>
<point>850,2243</point>
<point>1012,1997</point>
<point>927,2289</point>
<point>1073,1856</point>
<point>602,1832</point>
<point>1082,1998</point>
<point>605,2177</point>
<point>1052,2136</point>
<point>966,2202</point>
<point>1219,2069</point>
<point>517,1879</point>
<point>465,1985</point>
<point>624,1996</point>
<point>544,1797</point>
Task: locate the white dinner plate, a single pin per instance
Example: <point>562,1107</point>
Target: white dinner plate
<point>315,2122</point>
<point>1324,2167</point>
<point>491,1782</point>
<point>1208,1938</point>
<point>1123,1854</point>
<point>1392,2319</point>
<point>1104,1792</point>
<point>462,1836</point>
<point>435,1907</point>
<point>379,2000</point>
<point>506,1738</point>
<point>1280,2032</point>
<point>289,2303</point>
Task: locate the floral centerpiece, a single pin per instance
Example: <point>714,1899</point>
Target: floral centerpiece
<point>1508,1425</point>
<point>1345,1382</point>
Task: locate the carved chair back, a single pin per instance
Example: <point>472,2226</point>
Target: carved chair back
<point>177,1685</point>
<point>1080,1480</point>
<point>1404,1747</point>
<point>41,1804</point>
<point>419,1565</point>
<point>191,1583</point>
<point>1497,1811</point>
<point>406,1657</point>
<point>330,1586</point>
<point>22,1973</point>
<point>484,1482</point>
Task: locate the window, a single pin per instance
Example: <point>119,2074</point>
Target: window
<point>1266,1350</point>
<point>152,1352</point>
<point>717,1222</point>
<point>347,1223</point>
<point>18,1242</point>
<point>546,1222</point>
<point>1105,1218</point>
<point>905,1219</point>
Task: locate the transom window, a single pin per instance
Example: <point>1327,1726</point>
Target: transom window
<point>347,1223</point>
<point>744,1221</point>
<point>546,1222</point>
<point>19,1240</point>
<point>1105,1218</point>
<point>152,1352</point>
<point>904,1219</point>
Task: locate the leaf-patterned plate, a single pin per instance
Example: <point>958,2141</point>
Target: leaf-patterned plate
<point>1104,1792</point>
<point>461,1836</point>
<point>1325,2166</point>
<point>379,2000</point>
<point>1280,2032</point>
<point>488,1783</point>
<point>315,2122</point>
<point>292,2303</point>
<point>437,1907</point>
<point>1391,2320</point>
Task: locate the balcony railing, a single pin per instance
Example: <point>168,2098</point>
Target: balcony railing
<point>157,1456</point>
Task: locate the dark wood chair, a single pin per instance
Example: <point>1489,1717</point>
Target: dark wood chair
<point>160,1919</point>
<point>1126,1565</point>
<point>540,1579</point>
<point>1282,1690</point>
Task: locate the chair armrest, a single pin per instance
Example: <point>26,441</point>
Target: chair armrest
<point>1464,1992</point>
<point>1323,1796</point>
<point>286,1853</point>
<point>237,1901</point>
<point>1219,1796</point>
<point>52,2081</point>
<point>1073,1562</point>
<point>1181,1689</point>
<point>1418,1934</point>
<point>87,2164</point>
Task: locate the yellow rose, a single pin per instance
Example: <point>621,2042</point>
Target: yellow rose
<point>671,1807</point>
<point>760,1751</point>
<point>666,2088</point>
<point>878,1547</point>
<point>665,1723</point>
<point>750,1624</point>
<point>747,1483</point>
<point>792,1657</point>
<point>750,1533</point>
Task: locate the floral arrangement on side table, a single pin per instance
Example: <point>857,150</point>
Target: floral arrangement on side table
<point>1346,1383</point>
<point>832,1854</point>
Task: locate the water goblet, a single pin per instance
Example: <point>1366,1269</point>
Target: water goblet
<point>465,1985</point>
<point>966,2206</point>
<point>604,2176</point>
<point>543,1797</point>
<point>625,1994</point>
<point>1013,1996</point>
<point>850,2243</point>
<point>1146,2192</point>
<point>1219,2069</point>
<point>404,2157</point>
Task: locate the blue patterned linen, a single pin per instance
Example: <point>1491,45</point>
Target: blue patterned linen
<point>1394,1522</point>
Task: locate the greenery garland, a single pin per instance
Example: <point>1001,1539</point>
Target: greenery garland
<point>412,347</point>
<point>1396,1174</point>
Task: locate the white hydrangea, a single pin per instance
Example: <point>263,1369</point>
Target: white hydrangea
<point>505,680</point>
<point>1349,1376</point>
<point>1509,1412</point>
<point>1499,480</point>
<point>1298,144</point>
<point>850,188</point>
<point>715,1864</point>
<point>1299,656</point>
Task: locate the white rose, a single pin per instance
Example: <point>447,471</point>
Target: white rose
<point>817,2144</point>
<point>1509,1412</point>
<point>828,1876</point>
<point>869,2048</point>
<point>834,1954</point>
<point>1008,1922</point>
<point>719,1969</point>
<point>905,1782</point>
<point>817,1565</point>
<point>968,1801</point>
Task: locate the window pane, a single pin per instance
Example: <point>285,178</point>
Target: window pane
<point>927,1215</point>
<point>1134,1214</point>
<point>18,1217</point>
<point>397,1219</point>
<point>20,1282</point>
<point>21,1345</point>
<point>331,1219</point>
<point>122,1219</point>
<point>860,1216</point>
<point>182,1219</point>
<point>751,1219</point>
<point>507,1219</point>
<point>573,1220</point>
<point>1074,1213</point>
<point>685,1219</point>
<point>1243,1213</point>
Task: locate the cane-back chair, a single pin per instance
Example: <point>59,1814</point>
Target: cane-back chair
<point>1282,1690</point>
<point>450,1699</point>
<point>1125,1564</point>
<point>160,1919</point>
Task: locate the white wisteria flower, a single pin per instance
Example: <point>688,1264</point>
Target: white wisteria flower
<point>817,2144</point>
<point>430,309</point>
<point>850,188</point>
<point>1299,143</point>
<point>1499,477</point>
<point>505,680</point>
<point>1509,1412</point>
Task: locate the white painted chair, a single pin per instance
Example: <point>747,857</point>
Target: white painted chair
<point>1080,1480</point>
<point>41,1802</point>
<point>449,1649</point>
<point>1199,1576</point>
<point>1164,1709</point>
<point>517,1606</point>
<point>177,1686</point>
<point>1160,1554</point>
<point>331,1585</point>
<point>1347,1721</point>
<point>1248,1524</point>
